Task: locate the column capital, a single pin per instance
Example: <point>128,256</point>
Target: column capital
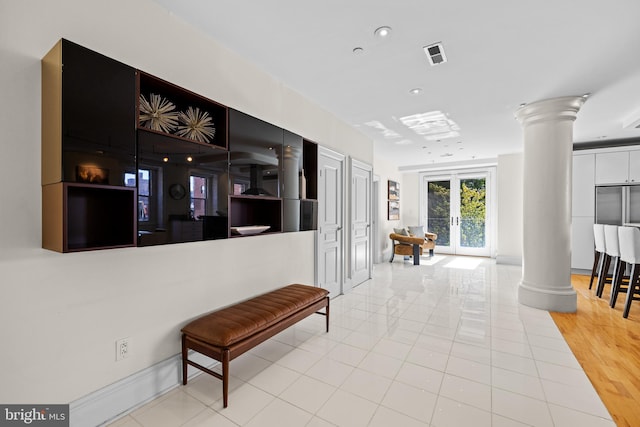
<point>553,109</point>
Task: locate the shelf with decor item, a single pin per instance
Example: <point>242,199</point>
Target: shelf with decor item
<point>167,109</point>
<point>251,215</point>
<point>81,217</point>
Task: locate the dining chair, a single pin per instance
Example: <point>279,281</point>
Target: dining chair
<point>629,239</point>
<point>612,257</point>
<point>598,238</point>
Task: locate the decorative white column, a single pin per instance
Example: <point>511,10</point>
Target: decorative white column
<point>548,160</point>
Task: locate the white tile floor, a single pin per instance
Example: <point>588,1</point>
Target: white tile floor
<point>440,344</point>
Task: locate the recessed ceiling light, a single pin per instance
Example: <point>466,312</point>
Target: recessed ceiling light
<point>382,32</point>
<point>165,159</point>
<point>189,159</point>
<point>415,91</point>
<point>358,50</point>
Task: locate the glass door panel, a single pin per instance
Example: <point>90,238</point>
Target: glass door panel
<point>473,208</point>
<point>457,211</point>
<point>439,212</point>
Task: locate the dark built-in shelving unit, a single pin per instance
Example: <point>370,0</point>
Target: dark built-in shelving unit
<point>94,148</point>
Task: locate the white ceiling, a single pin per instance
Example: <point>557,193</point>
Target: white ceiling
<point>501,54</point>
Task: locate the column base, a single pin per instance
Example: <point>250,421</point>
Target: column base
<point>564,300</point>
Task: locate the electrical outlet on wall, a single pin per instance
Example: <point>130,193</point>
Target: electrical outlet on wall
<point>123,348</point>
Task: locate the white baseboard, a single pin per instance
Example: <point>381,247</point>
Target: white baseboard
<point>509,260</point>
<point>122,397</point>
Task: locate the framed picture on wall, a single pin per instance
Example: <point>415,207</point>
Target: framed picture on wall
<point>394,190</point>
<point>394,210</point>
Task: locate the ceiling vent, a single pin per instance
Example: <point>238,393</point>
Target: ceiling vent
<point>435,53</point>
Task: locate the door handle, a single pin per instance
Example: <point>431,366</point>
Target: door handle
<point>451,220</point>
<point>457,220</point>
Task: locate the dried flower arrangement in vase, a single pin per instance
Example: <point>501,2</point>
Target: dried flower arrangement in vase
<point>196,124</point>
<point>158,113</point>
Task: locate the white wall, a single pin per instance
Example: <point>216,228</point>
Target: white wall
<point>62,313</point>
<point>410,206</point>
<point>510,189</point>
<point>387,171</point>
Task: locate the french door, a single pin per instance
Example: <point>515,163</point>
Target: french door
<point>457,210</point>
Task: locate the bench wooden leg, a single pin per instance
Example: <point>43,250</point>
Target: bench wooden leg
<point>225,378</point>
<point>184,360</point>
<point>327,314</point>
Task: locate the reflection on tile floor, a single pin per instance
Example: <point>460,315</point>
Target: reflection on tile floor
<point>440,344</point>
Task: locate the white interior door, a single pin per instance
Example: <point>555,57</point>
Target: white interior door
<point>376,251</point>
<point>361,176</point>
<point>330,221</point>
<point>457,210</point>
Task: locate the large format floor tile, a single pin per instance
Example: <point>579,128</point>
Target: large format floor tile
<point>440,344</point>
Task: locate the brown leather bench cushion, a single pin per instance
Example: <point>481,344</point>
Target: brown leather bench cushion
<point>232,324</point>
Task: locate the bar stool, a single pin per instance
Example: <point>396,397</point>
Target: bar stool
<point>598,238</point>
<point>629,239</point>
<point>620,282</point>
<point>612,256</point>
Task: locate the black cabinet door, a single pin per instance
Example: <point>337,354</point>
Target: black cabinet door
<point>98,116</point>
<point>255,148</point>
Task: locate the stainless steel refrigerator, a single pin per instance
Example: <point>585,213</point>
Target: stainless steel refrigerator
<point>617,204</point>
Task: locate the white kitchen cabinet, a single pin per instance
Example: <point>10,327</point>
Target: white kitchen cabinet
<point>582,245</point>
<point>583,195</point>
<point>634,166</point>
<point>612,168</point>
<point>618,167</point>
<point>582,210</point>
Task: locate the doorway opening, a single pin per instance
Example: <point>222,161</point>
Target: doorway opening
<point>457,207</point>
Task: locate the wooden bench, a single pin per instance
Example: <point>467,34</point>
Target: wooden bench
<point>225,334</point>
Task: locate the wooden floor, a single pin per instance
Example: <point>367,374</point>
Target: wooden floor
<point>608,348</point>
